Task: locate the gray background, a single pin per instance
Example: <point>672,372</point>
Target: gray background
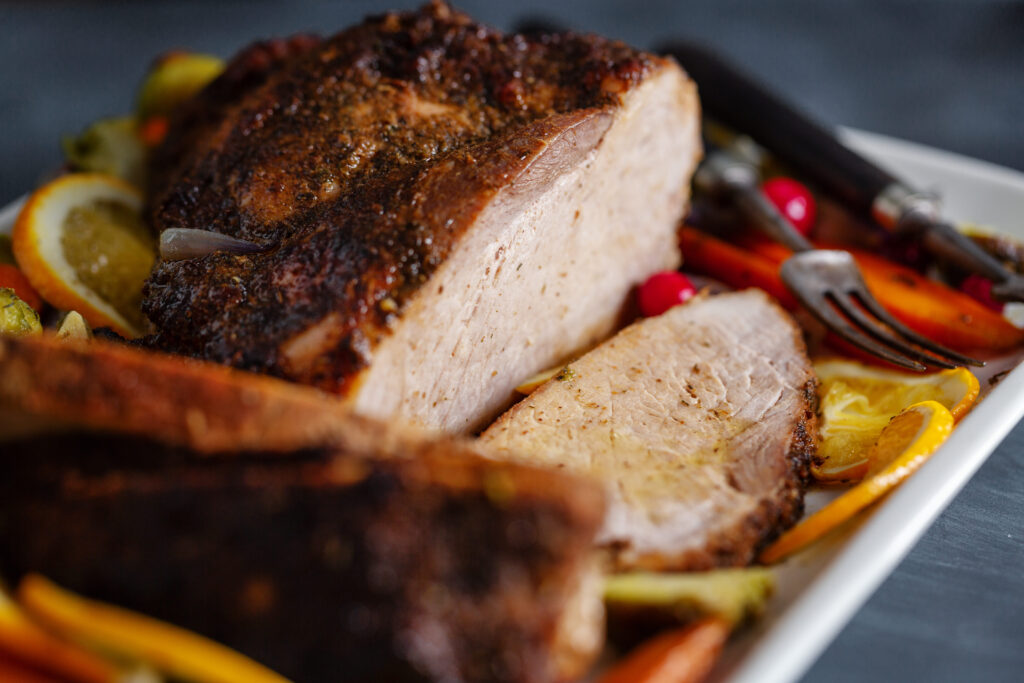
<point>947,74</point>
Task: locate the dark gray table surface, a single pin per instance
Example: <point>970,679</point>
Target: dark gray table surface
<point>947,74</point>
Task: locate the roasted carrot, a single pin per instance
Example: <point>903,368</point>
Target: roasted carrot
<point>14,279</point>
<point>939,312</point>
<point>942,313</point>
<point>680,656</point>
<point>22,641</point>
<point>13,672</point>
<point>135,636</point>
<point>153,130</point>
<point>736,267</point>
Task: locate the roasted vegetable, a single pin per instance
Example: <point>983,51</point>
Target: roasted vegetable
<point>11,277</point>
<point>137,637</point>
<point>174,78</point>
<point>938,312</point>
<point>22,642</point>
<point>732,595</point>
<point>111,146</point>
<point>681,656</point>
<point>17,318</point>
<point>733,265</point>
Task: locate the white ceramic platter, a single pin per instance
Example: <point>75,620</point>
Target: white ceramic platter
<point>820,589</point>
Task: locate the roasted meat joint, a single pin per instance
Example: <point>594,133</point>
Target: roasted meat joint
<point>441,209</point>
<point>313,453</point>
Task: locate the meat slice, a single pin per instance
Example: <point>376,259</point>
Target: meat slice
<point>700,421</point>
<point>322,566</point>
<point>358,551</point>
<point>443,207</point>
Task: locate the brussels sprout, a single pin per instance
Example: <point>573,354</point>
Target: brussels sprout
<point>109,146</point>
<point>16,317</point>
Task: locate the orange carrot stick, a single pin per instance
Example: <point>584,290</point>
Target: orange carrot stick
<point>931,308</point>
<point>681,656</point>
<point>736,267</point>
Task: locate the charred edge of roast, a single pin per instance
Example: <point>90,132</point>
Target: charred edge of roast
<point>319,566</point>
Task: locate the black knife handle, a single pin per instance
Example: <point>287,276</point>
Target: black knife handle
<point>736,100</point>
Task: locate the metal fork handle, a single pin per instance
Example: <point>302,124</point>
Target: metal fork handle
<point>733,174</point>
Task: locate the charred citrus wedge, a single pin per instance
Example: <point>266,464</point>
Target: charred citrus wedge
<point>134,636</point>
<point>857,402</point>
<point>81,243</point>
<point>905,443</point>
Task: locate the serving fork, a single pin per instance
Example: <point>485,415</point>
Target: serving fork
<point>826,281</point>
<point>736,100</point>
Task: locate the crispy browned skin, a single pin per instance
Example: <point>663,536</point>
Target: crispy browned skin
<point>46,383</point>
<point>323,566</point>
<point>266,515</point>
<point>359,164</point>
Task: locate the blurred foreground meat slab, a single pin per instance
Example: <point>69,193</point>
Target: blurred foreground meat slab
<point>700,421</point>
<point>417,560</point>
<point>445,209</point>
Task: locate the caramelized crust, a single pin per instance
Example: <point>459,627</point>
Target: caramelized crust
<point>359,164</point>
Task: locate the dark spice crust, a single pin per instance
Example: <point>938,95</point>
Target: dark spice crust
<point>322,566</point>
<point>336,158</point>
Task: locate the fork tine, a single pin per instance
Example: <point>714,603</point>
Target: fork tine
<point>822,309</point>
<point>846,304</point>
<point>870,303</point>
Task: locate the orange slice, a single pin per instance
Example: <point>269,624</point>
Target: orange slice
<point>111,629</point>
<point>857,402</point>
<point>902,447</point>
<point>81,243</point>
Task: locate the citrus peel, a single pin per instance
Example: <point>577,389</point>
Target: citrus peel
<point>858,401</point>
<point>904,445</point>
<point>40,240</point>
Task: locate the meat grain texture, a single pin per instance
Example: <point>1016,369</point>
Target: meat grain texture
<point>445,209</point>
<point>701,422</point>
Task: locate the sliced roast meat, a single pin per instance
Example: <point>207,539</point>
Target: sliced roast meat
<point>701,422</point>
<point>347,549</point>
<point>443,209</point>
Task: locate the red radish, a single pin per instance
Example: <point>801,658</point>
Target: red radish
<point>664,290</point>
<point>794,200</point>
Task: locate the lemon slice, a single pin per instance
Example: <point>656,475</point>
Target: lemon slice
<point>905,443</point>
<point>857,402</point>
<point>81,243</point>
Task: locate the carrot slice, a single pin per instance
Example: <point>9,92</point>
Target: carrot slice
<point>13,672</point>
<point>134,636</point>
<point>25,643</point>
<point>681,656</point>
<point>736,267</point>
